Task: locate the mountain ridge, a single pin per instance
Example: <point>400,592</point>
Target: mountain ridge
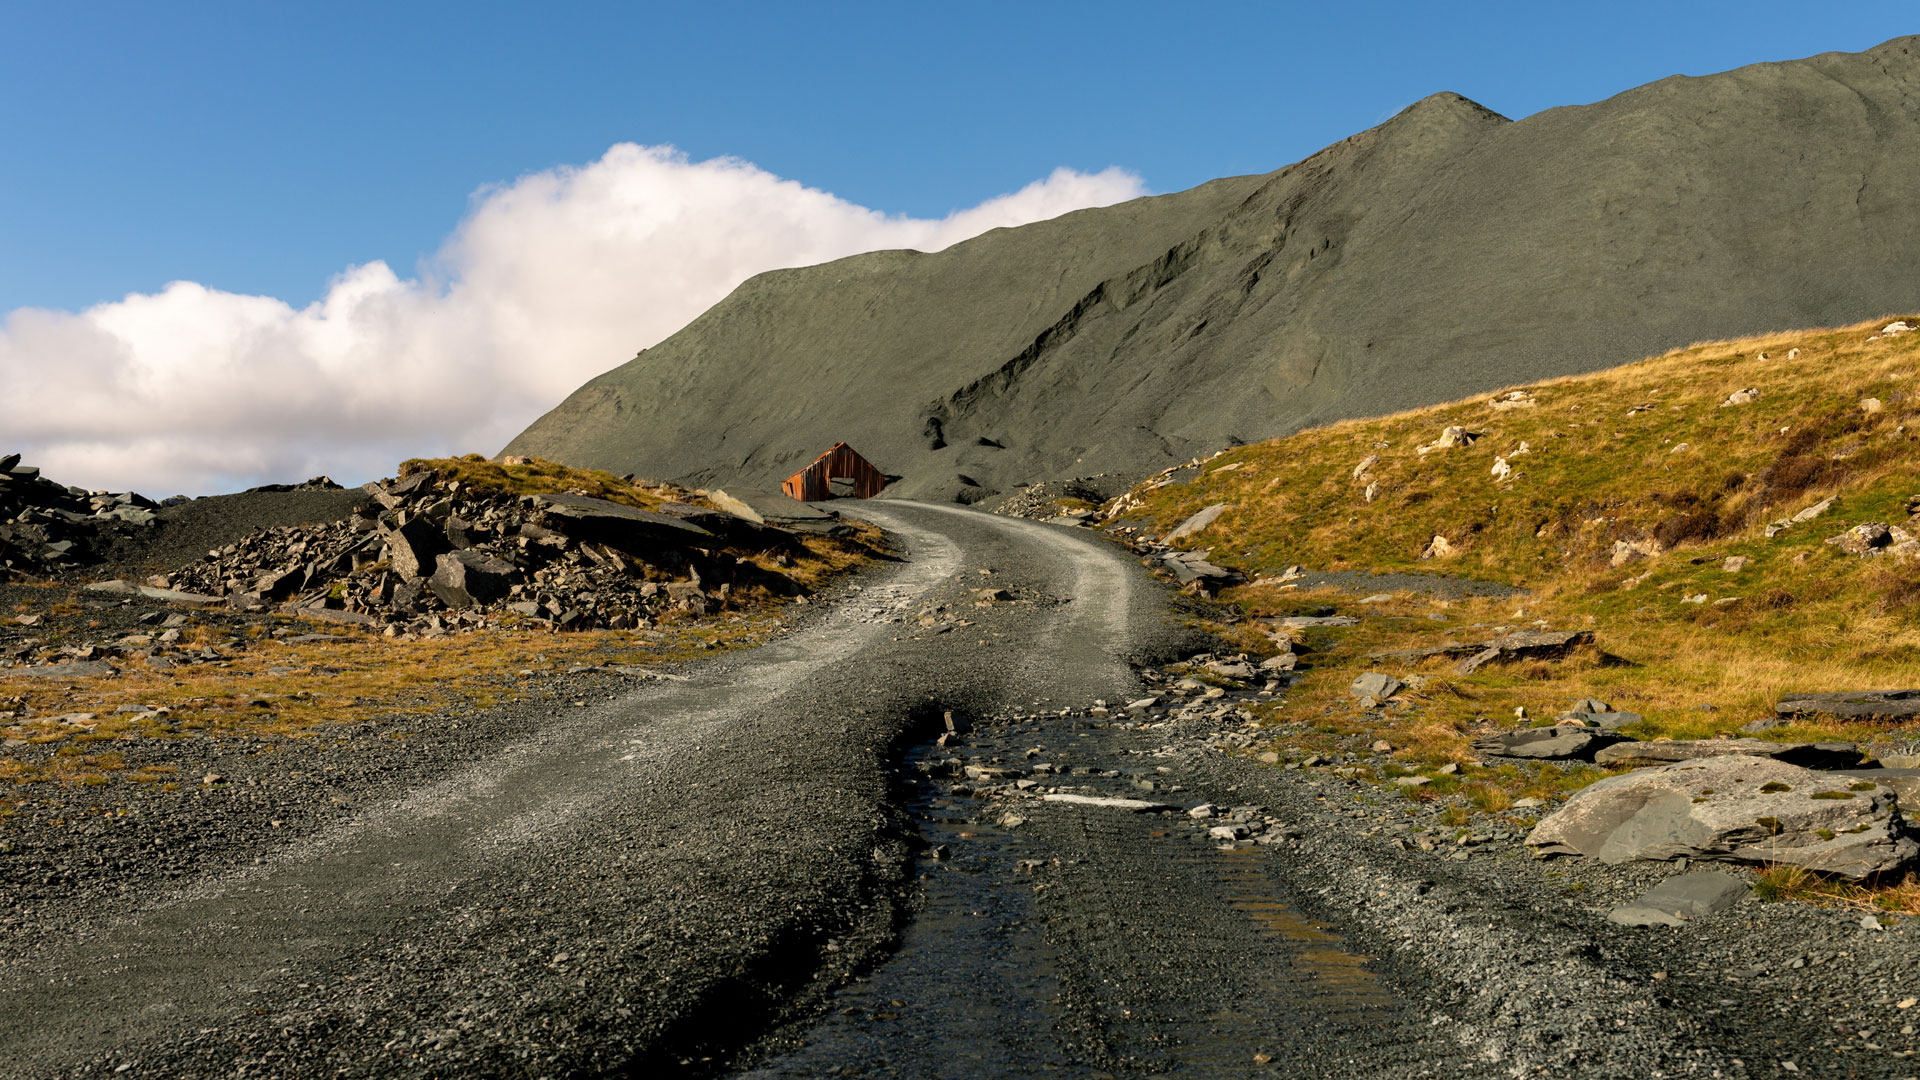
<point>1445,251</point>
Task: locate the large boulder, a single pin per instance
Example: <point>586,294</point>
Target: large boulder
<point>465,579</point>
<point>1734,808</point>
<point>596,521</point>
<point>413,547</point>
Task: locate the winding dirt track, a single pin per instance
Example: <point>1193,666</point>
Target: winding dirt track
<point>650,884</point>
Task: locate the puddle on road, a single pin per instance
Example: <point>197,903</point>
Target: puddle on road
<point>974,989</point>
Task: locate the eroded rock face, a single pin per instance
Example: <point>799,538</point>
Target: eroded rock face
<point>1735,809</point>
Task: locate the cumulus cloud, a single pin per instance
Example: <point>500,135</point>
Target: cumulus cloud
<point>549,281</point>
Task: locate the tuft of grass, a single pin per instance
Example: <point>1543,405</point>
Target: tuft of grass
<point>540,477</point>
<point>1779,882</point>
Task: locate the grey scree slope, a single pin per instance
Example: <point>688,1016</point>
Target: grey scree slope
<point>1445,252</point>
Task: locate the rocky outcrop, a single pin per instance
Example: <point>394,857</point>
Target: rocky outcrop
<point>427,555</point>
<point>1734,808</point>
<point>46,527</point>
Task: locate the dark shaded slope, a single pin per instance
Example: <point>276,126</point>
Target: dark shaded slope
<point>1444,252</point>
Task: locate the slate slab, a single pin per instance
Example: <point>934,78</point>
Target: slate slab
<point>1197,522</point>
<point>1138,806</point>
<point>1375,685</point>
<point>1682,898</point>
<point>1548,743</point>
<point>118,587</point>
<point>1821,755</point>
<point>79,669</point>
<point>1865,704</point>
<point>596,521</point>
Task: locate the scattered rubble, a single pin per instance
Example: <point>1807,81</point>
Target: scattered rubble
<point>430,556</point>
<point>47,527</point>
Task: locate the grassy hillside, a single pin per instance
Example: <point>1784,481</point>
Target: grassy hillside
<point>1628,494</point>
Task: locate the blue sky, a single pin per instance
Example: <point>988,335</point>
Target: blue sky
<point>261,148</point>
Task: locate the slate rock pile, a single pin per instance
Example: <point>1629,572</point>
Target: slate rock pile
<point>428,555</point>
<point>47,527</point>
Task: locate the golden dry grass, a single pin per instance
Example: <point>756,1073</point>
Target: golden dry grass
<point>540,476</point>
<point>1696,482</point>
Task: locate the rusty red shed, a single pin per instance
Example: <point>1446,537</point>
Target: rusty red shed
<point>814,482</point>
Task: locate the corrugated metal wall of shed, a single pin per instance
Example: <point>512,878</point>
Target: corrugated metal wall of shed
<point>814,482</point>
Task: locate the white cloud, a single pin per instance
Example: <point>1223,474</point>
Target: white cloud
<point>550,280</point>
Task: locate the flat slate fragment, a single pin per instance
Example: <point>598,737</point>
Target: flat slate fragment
<point>1138,806</point>
<point>1559,743</point>
<point>1681,899</point>
<point>1821,755</point>
<point>1870,704</point>
<point>79,669</point>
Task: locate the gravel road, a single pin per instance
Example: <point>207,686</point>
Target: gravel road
<point>652,881</point>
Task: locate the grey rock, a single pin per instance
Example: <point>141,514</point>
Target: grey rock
<point>597,521</point>
<point>1197,522</point>
<point>1733,808</point>
<point>117,587</point>
<point>1872,704</point>
<point>1526,645</point>
<point>1682,898</point>
<point>1823,755</point>
<point>413,547</point>
<point>1308,622</point>
<point>1232,669</point>
<point>1547,744</point>
<point>1608,721</point>
<point>1137,806</point>
<point>464,579</point>
<point>1375,685</point>
<point>81,669</point>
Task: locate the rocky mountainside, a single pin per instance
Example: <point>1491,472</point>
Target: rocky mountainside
<point>1445,252</point>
